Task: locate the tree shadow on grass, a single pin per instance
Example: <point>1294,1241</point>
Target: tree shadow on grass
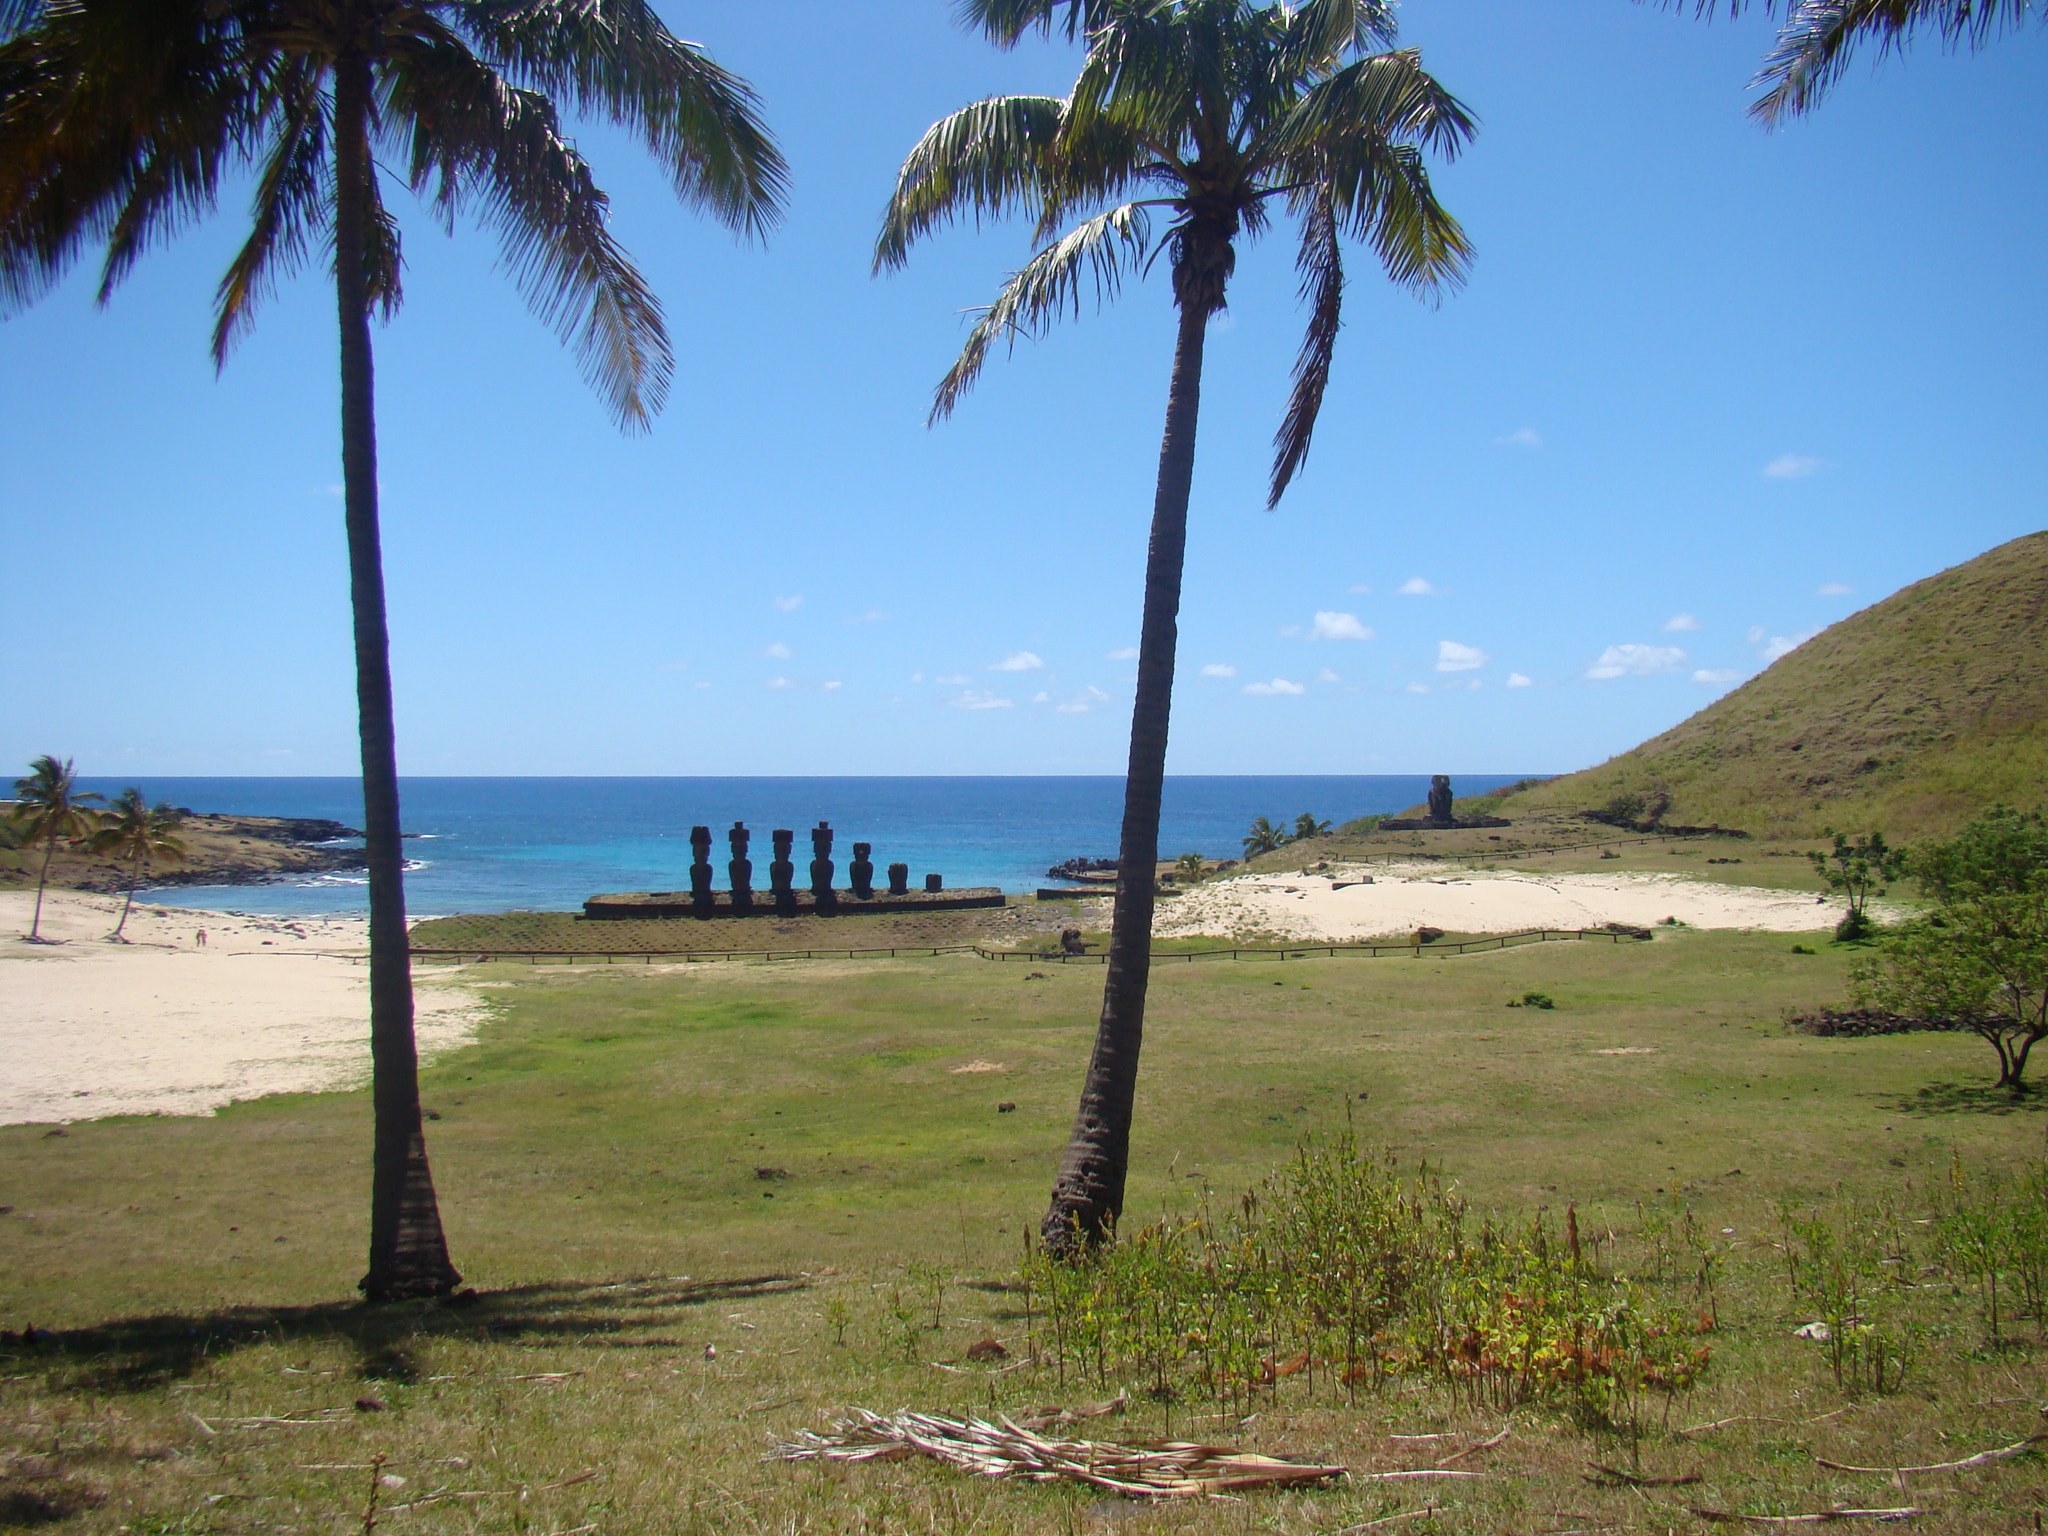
<point>138,1353</point>
<point>1966,1099</point>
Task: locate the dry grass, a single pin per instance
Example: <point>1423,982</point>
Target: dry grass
<point>198,1361</point>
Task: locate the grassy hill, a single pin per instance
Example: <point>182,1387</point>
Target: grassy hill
<point>1909,716</point>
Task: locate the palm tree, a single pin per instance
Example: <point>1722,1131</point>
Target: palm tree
<point>134,831</point>
<point>1306,826</point>
<point>1214,113</point>
<point>118,119</point>
<point>1818,38</point>
<point>49,809</point>
<point>1264,837</point>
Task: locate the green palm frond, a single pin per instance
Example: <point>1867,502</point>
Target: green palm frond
<point>1048,286</point>
<point>1006,21</point>
<point>1387,96</point>
<point>293,203</point>
<point>136,832</point>
<point>1321,264</point>
<point>1821,36</point>
<point>19,16</point>
<point>990,159</point>
<point>49,807</point>
<point>1328,29</point>
<point>617,59</point>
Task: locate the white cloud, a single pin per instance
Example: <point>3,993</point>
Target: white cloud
<point>1453,657</point>
<point>1128,653</point>
<point>1756,634</point>
<point>1517,680</point>
<point>832,687</point>
<point>872,616</point>
<point>1636,661</point>
<point>1418,687</point>
<point>1084,701</point>
<point>1785,645</point>
<point>1219,669</point>
<point>981,698</point>
<point>953,680</point>
<point>1833,589</point>
<point>1681,624</point>
<point>1361,590</point>
<point>1415,586</point>
<point>1041,697</point>
<point>789,604</point>
<point>917,677</point>
<point>1716,676</point>
<point>1521,437</point>
<point>1339,626</point>
<point>1279,685</point>
<point>778,650</point>
<point>780,683</point>
<point>700,685</point>
<point>1327,676</point>
<point>1792,466</point>
<point>1017,661</point>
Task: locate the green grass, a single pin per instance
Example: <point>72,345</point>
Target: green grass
<point>596,1154</point>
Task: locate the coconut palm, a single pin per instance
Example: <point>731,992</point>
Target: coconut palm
<point>118,119</point>
<point>1306,826</point>
<point>50,809</point>
<point>136,832</point>
<point>1213,115</point>
<point>1819,37</point>
<point>1264,837</point>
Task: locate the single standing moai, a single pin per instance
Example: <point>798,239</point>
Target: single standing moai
<point>700,871</point>
<point>860,874</point>
<point>1440,799</point>
<point>899,879</point>
<point>821,866</point>
<point>782,872</point>
<point>933,884</point>
<point>741,870</point>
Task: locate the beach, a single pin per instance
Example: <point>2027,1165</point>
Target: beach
<point>164,1025</point>
<point>1343,903</point>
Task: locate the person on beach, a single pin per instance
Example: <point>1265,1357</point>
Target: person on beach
<point>201,940</point>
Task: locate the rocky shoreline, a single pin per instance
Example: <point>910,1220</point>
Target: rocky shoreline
<point>220,850</point>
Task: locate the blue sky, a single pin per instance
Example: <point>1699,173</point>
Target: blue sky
<point>1709,390</point>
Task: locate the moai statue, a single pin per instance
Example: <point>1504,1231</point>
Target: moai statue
<point>933,884</point>
<point>782,873</point>
<point>740,872</point>
<point>1440,799</point>
<point>860,874</point>
<point>700,870</point>
<point>821,865</point>
<point>899,879</point>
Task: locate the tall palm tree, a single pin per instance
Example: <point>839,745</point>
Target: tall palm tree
<point>49,809</point>
<point>1819,37</point>
<point>1212,113</point>
<point>119,117</point>
<point>136,832</point>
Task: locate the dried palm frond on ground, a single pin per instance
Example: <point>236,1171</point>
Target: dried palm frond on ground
<point>1160,1468</point>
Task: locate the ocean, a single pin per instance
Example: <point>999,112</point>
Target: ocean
<point>545,844</point>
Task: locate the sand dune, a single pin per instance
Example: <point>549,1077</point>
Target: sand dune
<point>163,1026</point>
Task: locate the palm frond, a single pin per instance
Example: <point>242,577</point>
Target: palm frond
<point>1326,30</point>
<point>480,144</point>
<point>1321,264</point>
<point>1820,37</point>
<point>19,15</point>
<point>617,59</point>
<point>991,159</point>
<point>1006,21</point>
<point>293,203</point>
<point>1047,287</point>
<point>1389,96</point>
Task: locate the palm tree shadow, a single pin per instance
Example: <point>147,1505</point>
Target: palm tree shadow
<point>1963,1099</point>
<point>138,1353</point>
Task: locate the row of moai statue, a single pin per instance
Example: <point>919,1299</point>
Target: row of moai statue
<point>860,874</point>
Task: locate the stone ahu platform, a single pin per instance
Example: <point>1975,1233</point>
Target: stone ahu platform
<point>799,903</point>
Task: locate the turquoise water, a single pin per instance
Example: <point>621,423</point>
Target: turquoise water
<point>489,845</point>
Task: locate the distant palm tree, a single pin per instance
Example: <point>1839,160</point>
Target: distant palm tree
<point>1215,113</point>
<point>49,809</point>
<point>135,832</point>
<point>1306,826</point>
<point>1818,38</point>
<point>1264,837</point>
<point>118,119</point>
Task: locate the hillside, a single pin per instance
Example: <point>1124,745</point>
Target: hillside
<point>1908,716</point>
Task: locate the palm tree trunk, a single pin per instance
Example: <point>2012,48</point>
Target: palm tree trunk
<point>134,879</point>
<point>35,924</point>
<point>408,1254</point>
<point>1088,1195</point>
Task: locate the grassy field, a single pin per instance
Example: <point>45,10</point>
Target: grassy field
<point>806,1165</point>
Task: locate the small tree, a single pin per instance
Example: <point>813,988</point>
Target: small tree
<point>1306,826</point>
<point>50,810</point>
<point>1189,867</point>
<point>1264,837</point>
<point>1980,959</point>
<point>1857,871</point>
<point>135,832</point>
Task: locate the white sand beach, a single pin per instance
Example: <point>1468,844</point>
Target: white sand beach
<point>161,1025</point>
<point>1404,897</point>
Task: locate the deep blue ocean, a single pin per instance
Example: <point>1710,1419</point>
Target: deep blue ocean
<point>490,845</point>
